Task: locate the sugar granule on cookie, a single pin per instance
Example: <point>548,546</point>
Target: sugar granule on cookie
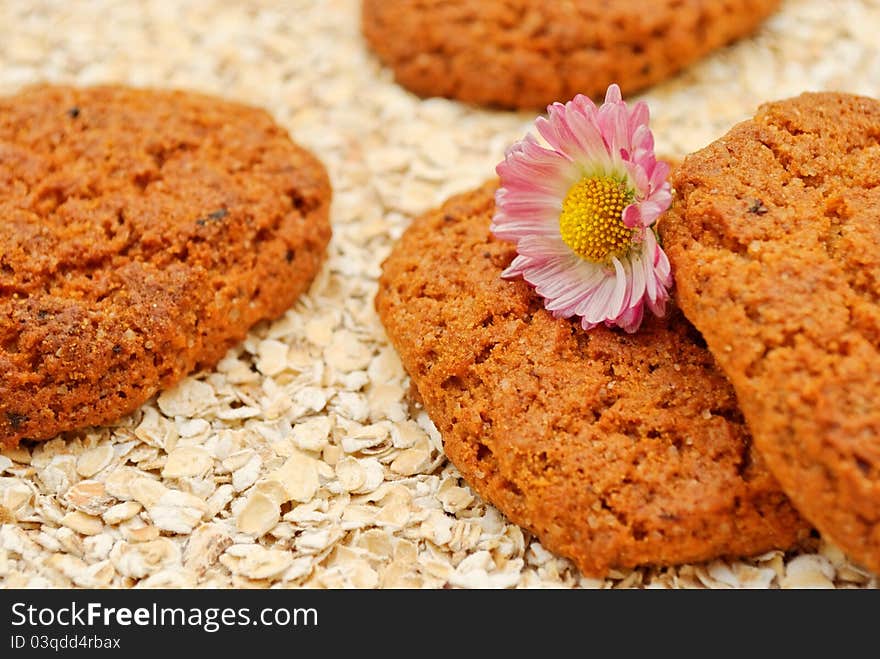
<point>142,233</point>
<point>582,212</point>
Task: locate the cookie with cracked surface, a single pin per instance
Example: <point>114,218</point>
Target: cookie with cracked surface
<point>773,238</point>
<point>615,449</point>
<point>529,53</point>
<point>142,232</point>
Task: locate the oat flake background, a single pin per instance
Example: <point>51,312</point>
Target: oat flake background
<point>299,460</point>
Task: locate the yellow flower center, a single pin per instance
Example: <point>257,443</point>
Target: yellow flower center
<point>591,222</point>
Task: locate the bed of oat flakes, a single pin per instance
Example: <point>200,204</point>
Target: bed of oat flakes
<point>298,461</point>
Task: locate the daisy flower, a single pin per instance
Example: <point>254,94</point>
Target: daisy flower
<point>581,212</point>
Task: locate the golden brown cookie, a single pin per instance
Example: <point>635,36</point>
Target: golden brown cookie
<point>529,53</point>
<point>141,234</point>
<point>615,449</point>
<point>773,237</point>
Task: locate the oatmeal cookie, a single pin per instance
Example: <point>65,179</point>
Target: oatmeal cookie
<point>615,449</point>
<point>142,232</point>
<point>528,53</point>
<point>773,239</point>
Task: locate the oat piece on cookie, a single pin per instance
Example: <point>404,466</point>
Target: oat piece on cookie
<point>773,237</point>
<point>142,233</point>
<point>528,53</point>
<point>615,449</point>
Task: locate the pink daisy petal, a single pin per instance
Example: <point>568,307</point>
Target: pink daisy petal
<point>522,170</point>
<point>638,176</point>
<point>556,130</point>
<point>631,319</point>
<point>632,216</point>
<point>618,300</point>
<point>642,138</point>
<point>637,285</point>
<point>657,269</point>
<point>516,268</point>
<point>566,302</point>
<point>532,207</point>
<point>613,125</point>
<point>651,210</point>
<point>612,94</point>
<point>537,246</point>
<point>659,175</point>
<point>538,169</point>
<point>598,308</point>
<point>552,278</point>
<point>571,132</point>
<point>563,282</point>
<point>583,105</point>
<point>662,196</point>
<point>638,120</point>
<point>580,280</point>
<point>651,282</point>
<point>661,265</point>
<point>590,145</point>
